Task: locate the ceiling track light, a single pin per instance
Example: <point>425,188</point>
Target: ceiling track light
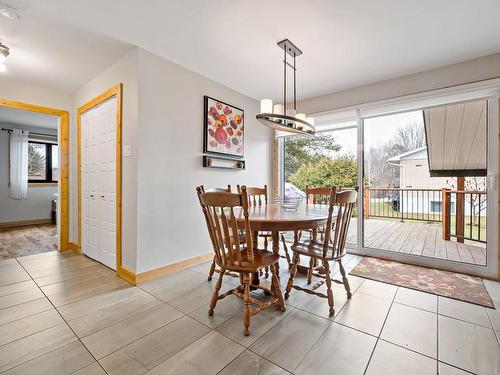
<point>9,12</point>
<point>4,52</point>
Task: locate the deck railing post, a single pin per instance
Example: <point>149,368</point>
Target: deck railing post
<point>446,213</point>
<point>401,205</point>
<point>367,202</point>
<point>460,214</point>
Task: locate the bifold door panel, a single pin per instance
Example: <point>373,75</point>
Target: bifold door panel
<point>98,137</point>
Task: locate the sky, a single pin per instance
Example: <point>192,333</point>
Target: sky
<point>378,130</point>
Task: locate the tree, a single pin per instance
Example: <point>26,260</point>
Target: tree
<point>302,150</point>
<point>477,202</point>
<point>407,138</point>
<point>36,161</point>
<point>341,172</point>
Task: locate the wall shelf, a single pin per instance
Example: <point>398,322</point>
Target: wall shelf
<point>216,162</point>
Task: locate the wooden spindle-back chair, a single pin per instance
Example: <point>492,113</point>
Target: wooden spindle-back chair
<point>212,269</point>
<point>257,197</point>
<point>221,210</point>
<point>331,248</point>
<point>314,195</point>
<point>318,195</point>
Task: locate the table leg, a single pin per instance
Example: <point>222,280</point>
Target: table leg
<point>255,279</point>
<point>276,249</point>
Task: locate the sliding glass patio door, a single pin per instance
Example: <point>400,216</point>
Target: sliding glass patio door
<point>427,176</point>
<point>430,187</point>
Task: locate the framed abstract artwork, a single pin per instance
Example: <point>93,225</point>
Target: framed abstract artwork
<point>223,129</point>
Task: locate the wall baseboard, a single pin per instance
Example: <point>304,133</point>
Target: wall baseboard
<point>24,223</point>
<point>127,275</point>
<point>173,267</point>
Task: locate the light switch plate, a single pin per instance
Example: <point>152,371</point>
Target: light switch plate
<point>127,150</point>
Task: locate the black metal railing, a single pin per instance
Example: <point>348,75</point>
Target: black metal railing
<point>462,213</point>
<point>404,204</point>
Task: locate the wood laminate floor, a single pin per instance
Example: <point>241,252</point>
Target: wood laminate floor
<point>62,313</point>
<point>29,240</point>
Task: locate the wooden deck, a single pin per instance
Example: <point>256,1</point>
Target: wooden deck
<point>418,238</point>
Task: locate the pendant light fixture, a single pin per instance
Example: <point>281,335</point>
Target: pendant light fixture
<point>284,117</point>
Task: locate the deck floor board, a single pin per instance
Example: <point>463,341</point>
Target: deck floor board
<point>417,238</point>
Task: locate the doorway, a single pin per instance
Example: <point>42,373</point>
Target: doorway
<point>35,164</point>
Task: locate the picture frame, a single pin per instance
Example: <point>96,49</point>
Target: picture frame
<point>223,128</point>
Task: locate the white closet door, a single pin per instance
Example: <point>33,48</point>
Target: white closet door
<point>99,183</point>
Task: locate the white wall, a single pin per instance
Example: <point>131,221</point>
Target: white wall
<point>123,71</point>
<point>38,203</point>
<point>31,94</point>
<point>170,222</point>
<point>469,71</point>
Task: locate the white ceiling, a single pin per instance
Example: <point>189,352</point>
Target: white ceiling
<point>346,43</point>
<point>32,119</point>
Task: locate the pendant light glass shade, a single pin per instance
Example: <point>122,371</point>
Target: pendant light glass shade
<point>266,106</point>
<point>278,109</point>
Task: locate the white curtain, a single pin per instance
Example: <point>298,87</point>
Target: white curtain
<point>18,164</point>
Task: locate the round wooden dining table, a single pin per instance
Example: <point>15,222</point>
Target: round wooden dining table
<point>275,219</point>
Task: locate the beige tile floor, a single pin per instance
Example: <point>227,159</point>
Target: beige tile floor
<point>61,313</point>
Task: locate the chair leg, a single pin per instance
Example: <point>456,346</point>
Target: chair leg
<point>267,273</point>
<point>328,281</point>
<point>212,270</point>
<point>246,304</point>
<point>276,289</point>
<point>293,272</point>
<point>287,254</point>
<point>215,296</point>
<point>310,270</point>
<point>344,280</point>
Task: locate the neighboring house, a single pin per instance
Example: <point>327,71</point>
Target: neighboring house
<point>414,174</point>
<point>414,171</point>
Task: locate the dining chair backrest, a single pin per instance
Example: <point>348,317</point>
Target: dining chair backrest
<point>342,204</point>
<point>257,196</point>
<point>318,195</point>
<point>219,211</point>
<point>216,190</point>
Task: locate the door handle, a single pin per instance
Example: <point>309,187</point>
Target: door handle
<point>91,195</point>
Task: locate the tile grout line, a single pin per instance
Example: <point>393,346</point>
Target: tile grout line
<point>62,317</point>
<point>493,327</point>
<point>328,326</point>
<point>258,355</point>
<point>437,335</point>
<point>157,329</point>
<point>381,329</point>
<point>27,316</point>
